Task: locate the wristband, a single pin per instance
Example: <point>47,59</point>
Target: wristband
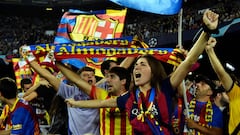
<point>206,29</point>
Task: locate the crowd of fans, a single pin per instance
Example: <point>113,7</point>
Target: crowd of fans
<point>151,25</point>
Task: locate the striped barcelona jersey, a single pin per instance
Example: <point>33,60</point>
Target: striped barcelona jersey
<point>112,120</point>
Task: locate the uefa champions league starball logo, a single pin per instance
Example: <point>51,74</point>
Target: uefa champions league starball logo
<point>152,42</point>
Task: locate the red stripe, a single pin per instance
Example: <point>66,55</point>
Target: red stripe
<point>103,121</point>
<point>62,25</point>
<point>123,123</point>
<point>112,121</point>
<point>80,25</point>
<point>65,35</point>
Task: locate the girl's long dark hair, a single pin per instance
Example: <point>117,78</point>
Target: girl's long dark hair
<point>59,116</point>
<point>158,71</point>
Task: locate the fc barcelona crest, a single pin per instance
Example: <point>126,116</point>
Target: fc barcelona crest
<point>90,27</point>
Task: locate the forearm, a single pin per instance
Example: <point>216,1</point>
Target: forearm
<point>127,62</point>
<point>30,90</point>
<point>46,74</point>
<point>75,78</point>
<point>197,48</point>
<point>103,80</point>
<point>181,71</point>
<point>95,103</point>
<point>41,71</point>
<point>208,131</point>
<point>223,76</point>
<point>5,132</point>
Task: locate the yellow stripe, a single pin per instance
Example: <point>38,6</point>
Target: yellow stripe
<point>173,57</point>
<point>119,28</point>
<point>14,105</point>
<point>90,21</point>
<point>112,12</point>
<point>78,28</point>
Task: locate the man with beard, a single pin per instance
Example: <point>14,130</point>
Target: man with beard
<point>221,99</point>
<point>205,117</point>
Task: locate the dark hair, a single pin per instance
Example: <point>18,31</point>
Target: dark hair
<point>85,69</point>
<point>158,71</point>
<point>59,116</point>
<point>217,90</point>
<point>203,78</point>
<point>122,73</point>
<point>25,81</point>
<point>106,65</point>
<point>8,87</point>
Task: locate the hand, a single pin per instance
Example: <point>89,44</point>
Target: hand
<point>70,102</point>
<point>190,123</point>
<point>25,52</point>
<point>50,57</point>
<point>183,51</point>
<point>211,43</point>
<point>45,83</point>
<point>210,19</point>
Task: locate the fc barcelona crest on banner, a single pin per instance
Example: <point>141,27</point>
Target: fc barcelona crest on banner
<point>93,27</point>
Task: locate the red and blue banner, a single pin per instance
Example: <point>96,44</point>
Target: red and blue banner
<point>77,26</point>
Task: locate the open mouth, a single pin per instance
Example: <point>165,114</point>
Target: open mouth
<point>90,81</point>
<point>109,87</point>
<point>137,75</point>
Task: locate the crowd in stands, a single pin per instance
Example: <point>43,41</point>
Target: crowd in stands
<point>151,25</point>
<point>18,30</point>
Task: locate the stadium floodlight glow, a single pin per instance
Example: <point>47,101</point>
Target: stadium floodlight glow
<point>230,67</point>
<point>49,9</point>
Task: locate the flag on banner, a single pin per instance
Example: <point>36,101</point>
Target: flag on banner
<point>21,71</point>
<point>76,26</point>
<point>164,7</point>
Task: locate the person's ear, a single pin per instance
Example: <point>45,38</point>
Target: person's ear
<point>124,81</point>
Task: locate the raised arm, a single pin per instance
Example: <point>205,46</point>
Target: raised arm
<point>107,103</point>
<point>210,20</point>
<point>223,76</point>
<point>31,60</point>
<point>126,63</point>
<point>55,82</point>
<point>34,87</point>
<point>74,77</point>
